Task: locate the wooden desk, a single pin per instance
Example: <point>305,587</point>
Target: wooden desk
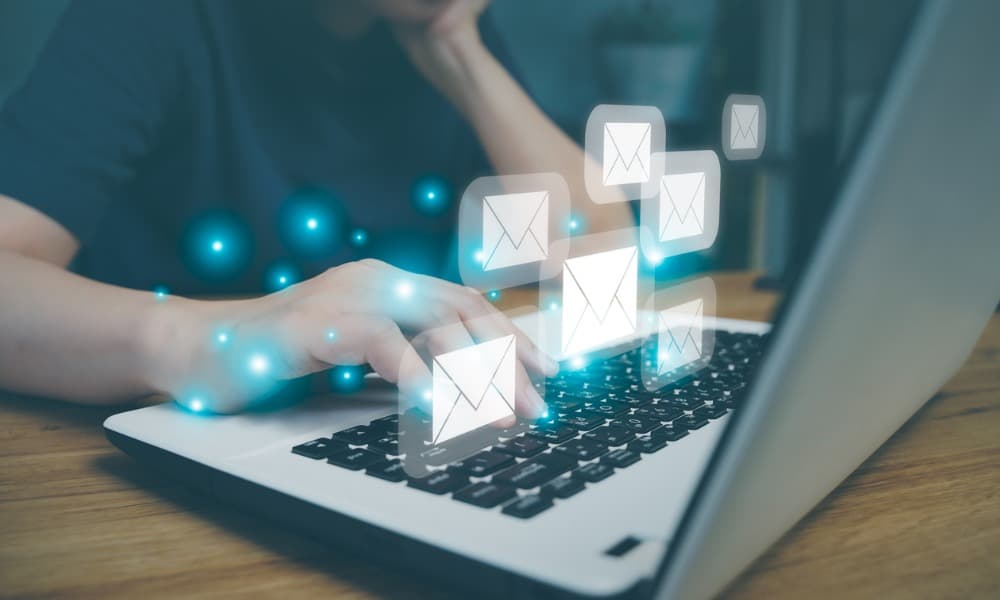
<point>921,518</point>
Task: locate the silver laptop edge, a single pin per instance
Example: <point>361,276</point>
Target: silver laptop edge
<point>884,315</point>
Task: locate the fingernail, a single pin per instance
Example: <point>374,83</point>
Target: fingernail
<point>536,401</point>
<point>550,366</point>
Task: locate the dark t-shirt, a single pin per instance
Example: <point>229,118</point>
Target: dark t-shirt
<point>213,145</point>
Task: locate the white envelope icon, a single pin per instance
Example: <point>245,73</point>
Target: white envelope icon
<point>680,335</point>
<point>515,229</point>
<point>682,206</point>
<point>599,299</point>
<point>472,387</point>
<point>743,126</point>
<point>626,153</point>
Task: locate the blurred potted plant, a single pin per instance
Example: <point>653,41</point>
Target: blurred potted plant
<point>649,57</point>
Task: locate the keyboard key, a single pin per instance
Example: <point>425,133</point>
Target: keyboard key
<point>555,435</point>
<point>485,463</point>
<point>514,430</point>
<point>486,495</point>
<point>584,421</point>
<point>440,482</point>
<point>647,445</point>
<point>687,402</point>
<point>661,412</point>
<point>563,487</point>
<point>612,435</point>
<point>387,444</point>
<point>714,411</point>
<point>319,448</point>
<point>390,470</point>
<point>621,458</point>
<point>522,447</point>
<point>355,459</point>
<point>533,473</point>
<point>671,432</point>
<point>565,404</point>
<point>692,422</point>
<point>609,408</point>
<point>638,424</point>
<point>386,423</point>
<point>526,507</point>
<point>582,449</point>
<point>359,435</point>
<point>636,400</point>
<point>593,472</point>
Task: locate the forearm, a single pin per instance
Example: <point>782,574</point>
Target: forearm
<point>520,138</point>
<point>68,337</point>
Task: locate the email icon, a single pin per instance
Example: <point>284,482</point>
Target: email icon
<point>627,152</point>
<point>599,299</point>
<point>745,124</point>
<point>515,229</point>
<point>682,206</point>
<point>472,387</point>
<point>680,335</point>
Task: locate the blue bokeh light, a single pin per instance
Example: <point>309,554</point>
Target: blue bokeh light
<point>431,195</point>
<point>280,275</point>
<point>312,222</point>
<point>493,295</point>
<point>217,246</point>
<point>161,292</point>
<point>404,289</point>
<point>359,237</point>
<point>347,378</point>
<point>331,335</point>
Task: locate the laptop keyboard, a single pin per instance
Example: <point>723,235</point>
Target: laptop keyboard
<point>602,420</point>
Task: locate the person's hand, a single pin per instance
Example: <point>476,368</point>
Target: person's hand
<point>446,48</point>
<point>357,313</point>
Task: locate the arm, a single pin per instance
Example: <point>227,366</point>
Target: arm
<point>68,337</point>
<point>517,136</point>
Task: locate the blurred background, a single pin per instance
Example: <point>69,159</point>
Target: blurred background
<point>819,66</point>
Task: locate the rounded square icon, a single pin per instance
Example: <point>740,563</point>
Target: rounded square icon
<point>507,226</point>
<point>744,127</point>
<point>459,385</point>
<point>592,310</point>
<point>679,211</point>
<point>620,141</point>
<point>681,332</point>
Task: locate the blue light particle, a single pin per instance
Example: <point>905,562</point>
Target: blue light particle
<point>312,224</point>
<point>553,305</point>
<point>431,195</point>
<point>196,404</point>
<point>577,362</point>
<point>217,246</point>
<point>493,295</point>
<point>331,335</point>
<point>404,289</point>
<point>161,292</point>
<point>222,337</point>
<point>359,237</point>
<point>259,364</point>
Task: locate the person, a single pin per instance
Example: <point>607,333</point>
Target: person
<point>144,125</point>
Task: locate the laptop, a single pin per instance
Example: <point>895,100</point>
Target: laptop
<point>628,492</point>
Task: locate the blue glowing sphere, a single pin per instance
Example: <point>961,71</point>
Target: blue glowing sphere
<point>280,275</point>
<point>347,378</point>
<point>359,237</point>
<point>217,246</point>
<point>312,222</point>
<point>431,195</point>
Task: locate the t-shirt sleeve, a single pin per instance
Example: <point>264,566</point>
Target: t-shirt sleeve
<point>72,135</point>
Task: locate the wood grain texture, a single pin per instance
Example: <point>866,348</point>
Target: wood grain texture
<point>921,518</point>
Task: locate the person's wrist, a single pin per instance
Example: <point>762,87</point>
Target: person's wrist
<point>173,333</point>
